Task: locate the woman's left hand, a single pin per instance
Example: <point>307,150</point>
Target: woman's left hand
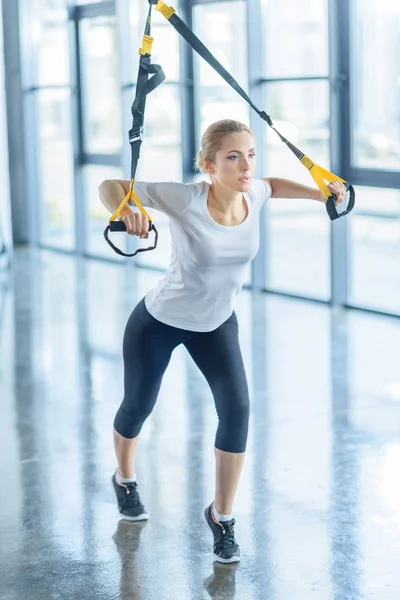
<point>337,188</point>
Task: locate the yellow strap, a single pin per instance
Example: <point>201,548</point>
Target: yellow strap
<point>130,194</point>
<point>319,175</point>
<point>140,205</point>
<point>146,45</point>
<point>165,10</point>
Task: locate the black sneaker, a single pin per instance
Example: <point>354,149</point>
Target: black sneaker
<point>226,549</point>
<point>129,503</point>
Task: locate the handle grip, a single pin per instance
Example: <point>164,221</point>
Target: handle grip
<point>120,227</point>
<point>331,204</point>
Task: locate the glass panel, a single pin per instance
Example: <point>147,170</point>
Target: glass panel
<point>375,250</point>
<point>376,106</point>
<point>55,161</point>
<point>221,103</point>
<point>52,53</point>
<point>299,230</point>
<point>102,92</point>
<point>166,50</point>
<point>5,201</point>
<point>97,215</point>
<point>163,117</point>
<point>295,38</point>
<point>46,9</point>
<point>224,33</point>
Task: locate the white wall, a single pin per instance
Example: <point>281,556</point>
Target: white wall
<point>5,208</point>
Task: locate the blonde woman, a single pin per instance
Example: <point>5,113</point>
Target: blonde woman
<point>215,234</point>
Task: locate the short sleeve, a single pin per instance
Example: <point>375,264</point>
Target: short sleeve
<point>261,191</point>
<point>170,198</point>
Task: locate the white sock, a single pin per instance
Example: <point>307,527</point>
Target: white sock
<point>123,479</point>
<point>218,516</point>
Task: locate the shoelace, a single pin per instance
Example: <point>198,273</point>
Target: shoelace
<point>132,494</point>
<point>227,537</point>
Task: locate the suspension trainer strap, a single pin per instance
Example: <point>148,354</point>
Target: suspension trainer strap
<point>318,173</point>
<point>150,76</point>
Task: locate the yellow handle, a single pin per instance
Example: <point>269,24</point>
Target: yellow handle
<point>319,174</point>
<point>130,194</point>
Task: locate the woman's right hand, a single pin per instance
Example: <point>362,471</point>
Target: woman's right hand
<point>136,223</point>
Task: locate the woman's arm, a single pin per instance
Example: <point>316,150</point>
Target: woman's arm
<point>112,193</point>
<point>284,188</point>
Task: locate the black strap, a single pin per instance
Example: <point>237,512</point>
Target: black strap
<point>204,52</point>
<point>150,76</point>
<point>144,86</point>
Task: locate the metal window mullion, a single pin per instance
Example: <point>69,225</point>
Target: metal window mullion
<point>77,135</point>
<point>293,79</point>
<point>29,72</point>
<point>374,177</point>
<point>107,160</point>
<point>255,89</point>
<point>32,156</point>
<point>93,10</point>
<point>196,83</point>
<point>187,98</point>
<point>14,55</point>
<point>339,68</point>
<point>44,87</point>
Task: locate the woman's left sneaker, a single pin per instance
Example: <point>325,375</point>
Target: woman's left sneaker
<point>226,549</point>
<point>129,503</point>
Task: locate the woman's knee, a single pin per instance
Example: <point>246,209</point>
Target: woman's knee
<point>233,425</point>
<point>129,423</point>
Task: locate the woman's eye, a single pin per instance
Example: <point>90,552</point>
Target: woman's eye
<point>234,156</point>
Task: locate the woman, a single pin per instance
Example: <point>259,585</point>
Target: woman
<point>215,234</point>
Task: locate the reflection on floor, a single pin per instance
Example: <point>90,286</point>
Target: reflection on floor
<point>318,510</point>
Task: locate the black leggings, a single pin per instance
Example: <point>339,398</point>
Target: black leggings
<point>147,349</point>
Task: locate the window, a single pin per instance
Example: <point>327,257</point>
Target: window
<point>56,178</point>
<point>101,86</point>
<point>295,38</point>
<point>46,76</point>
<point>376,91</point>
<point>298,231</point>
<point>375,249</point>
<point>224,33</point>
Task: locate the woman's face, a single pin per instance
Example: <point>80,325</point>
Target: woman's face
<point>235,162</point>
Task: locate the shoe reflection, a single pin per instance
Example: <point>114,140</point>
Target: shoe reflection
<point>126,538</point>
<point>221,585</point>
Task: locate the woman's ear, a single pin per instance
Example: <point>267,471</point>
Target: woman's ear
<point>208,167</point>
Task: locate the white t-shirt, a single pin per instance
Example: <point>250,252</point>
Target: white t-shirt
<point>208,260</point>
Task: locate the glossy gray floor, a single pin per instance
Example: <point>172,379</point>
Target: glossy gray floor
<point>318,510</point>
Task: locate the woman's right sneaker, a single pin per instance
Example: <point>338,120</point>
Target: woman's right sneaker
<point>129,503</point>
<point>226,550</point>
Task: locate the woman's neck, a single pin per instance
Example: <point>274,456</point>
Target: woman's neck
<point>226,201</point>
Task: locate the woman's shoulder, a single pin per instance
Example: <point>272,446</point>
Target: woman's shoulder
<point>260,190</point>
<point>174,187</point>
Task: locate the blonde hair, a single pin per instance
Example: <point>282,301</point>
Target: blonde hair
<point>212,138</point>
